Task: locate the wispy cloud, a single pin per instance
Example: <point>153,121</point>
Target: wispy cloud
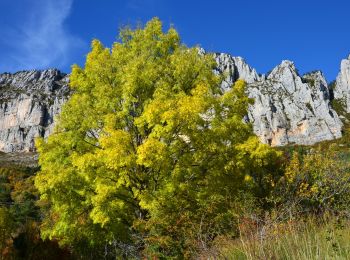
<point>37,37</point>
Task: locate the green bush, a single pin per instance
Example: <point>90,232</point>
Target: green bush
<point>315,182</point>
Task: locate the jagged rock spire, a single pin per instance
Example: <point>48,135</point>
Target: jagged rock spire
<point>342,87</point>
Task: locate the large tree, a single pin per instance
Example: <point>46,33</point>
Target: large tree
<point>148,153</point>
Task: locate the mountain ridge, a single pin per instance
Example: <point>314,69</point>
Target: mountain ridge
<point>289,108</point>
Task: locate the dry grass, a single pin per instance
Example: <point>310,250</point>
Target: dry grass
<point>303,240</point>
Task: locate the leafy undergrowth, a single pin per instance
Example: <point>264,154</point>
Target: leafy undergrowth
<point>20,217</point>
<point>302,237</point>
<point>310,239</point>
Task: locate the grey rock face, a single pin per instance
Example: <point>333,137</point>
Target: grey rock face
<point>291,109</point>
<point>29,101</point>
<point>342,87</point>
<point>234,68</point>
<point>288,108</point>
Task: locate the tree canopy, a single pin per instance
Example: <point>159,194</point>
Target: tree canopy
<point>148,151</point>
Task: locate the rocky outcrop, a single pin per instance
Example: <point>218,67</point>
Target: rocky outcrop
<point>342,85</point>
<point>234,68</point>
<point>288,108</point>
<point>29,101</point>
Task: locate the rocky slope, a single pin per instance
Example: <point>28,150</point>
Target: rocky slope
<point>29,100</point>
<point>342,86</point>
<point>293,109</point>
<point>288,108</point>
<point>234,68</point>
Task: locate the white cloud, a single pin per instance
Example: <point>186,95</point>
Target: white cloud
<point>39,38</point>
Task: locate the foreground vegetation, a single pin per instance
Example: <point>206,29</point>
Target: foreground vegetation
<point>308,239</point>
<point>20,216</point>
<point>279,234</point>
<point>151,160</point>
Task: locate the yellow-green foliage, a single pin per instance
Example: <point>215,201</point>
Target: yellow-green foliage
<point>148,151</point>
<point>317,181</point>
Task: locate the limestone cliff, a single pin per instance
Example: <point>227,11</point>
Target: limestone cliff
<point>288,108</point>
<point>29,101</point>
<point>342,85</point>
<point>234,68</point>
<point>293,109</point>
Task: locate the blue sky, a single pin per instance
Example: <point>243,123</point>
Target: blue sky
<point>39,34</point>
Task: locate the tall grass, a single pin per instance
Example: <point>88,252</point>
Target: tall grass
<point>304,240</point>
